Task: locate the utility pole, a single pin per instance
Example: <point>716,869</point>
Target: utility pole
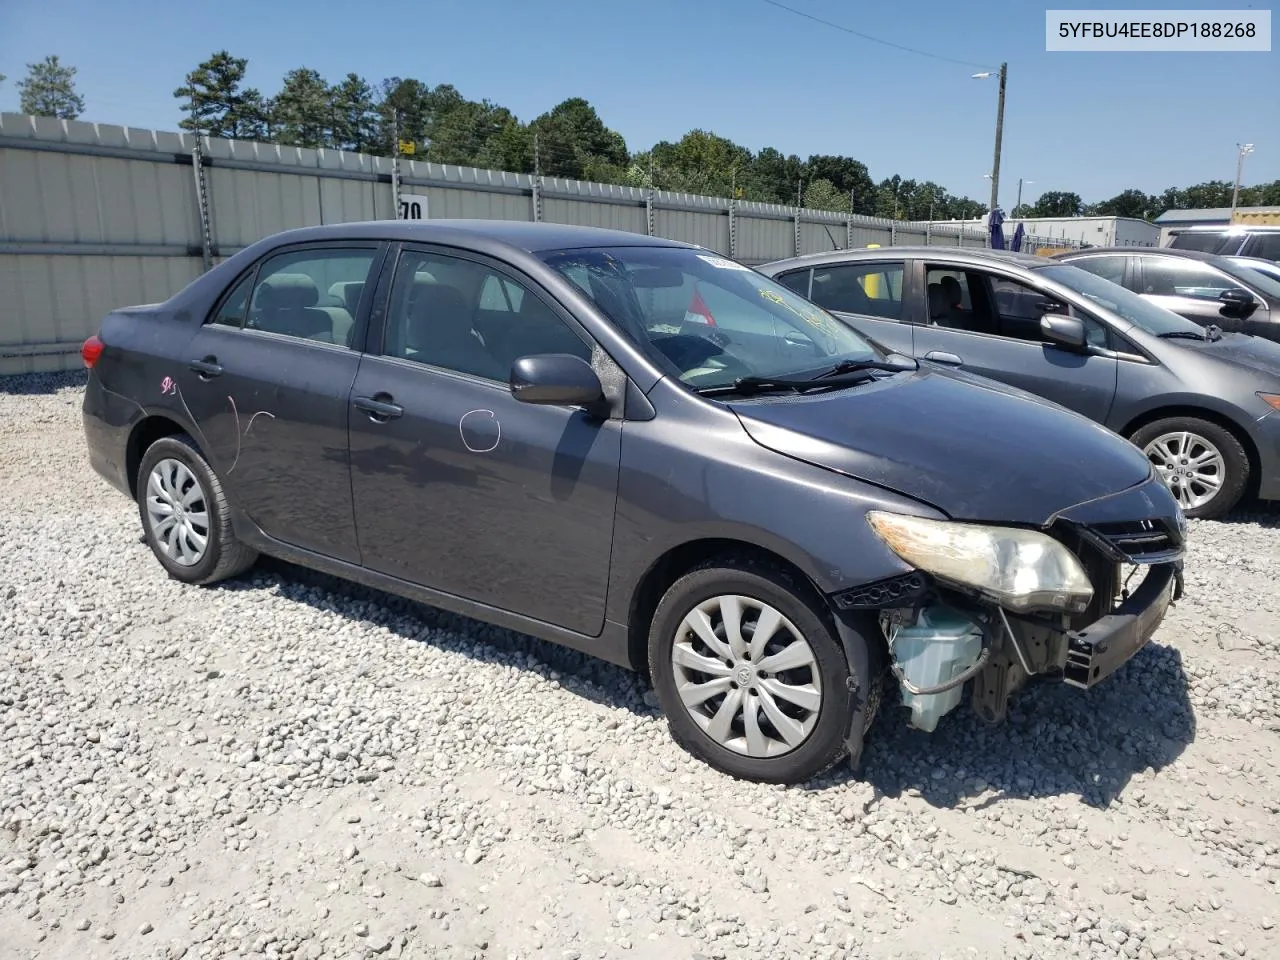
<point>995,164</point>
<point>395,163</point>
<point>1244,150</point>
<point>1019,203</point>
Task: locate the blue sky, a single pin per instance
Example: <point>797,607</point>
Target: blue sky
<point>1094,123</point>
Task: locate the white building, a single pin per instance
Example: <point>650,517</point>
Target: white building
<point>1091,231</point>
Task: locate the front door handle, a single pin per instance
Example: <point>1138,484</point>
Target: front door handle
<point>379,407</point>
<point>208,367</point>
<point>941,356</point>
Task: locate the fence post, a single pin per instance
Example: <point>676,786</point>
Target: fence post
<point>202,203</point>
<point>733,227</point>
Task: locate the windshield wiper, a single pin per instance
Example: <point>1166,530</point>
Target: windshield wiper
<point>843,374</point>
<point>826,381</point>
<point>1211,334</point>
<point>849,366</point>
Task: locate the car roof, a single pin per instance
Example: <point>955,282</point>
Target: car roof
<point>1141,252</point>
<point>975,255</point>
<point>1227,228</point>
<point>521,234</point>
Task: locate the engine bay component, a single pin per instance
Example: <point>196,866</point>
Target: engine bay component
<point>933,658</point>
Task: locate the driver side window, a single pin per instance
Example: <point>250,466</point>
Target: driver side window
<point>986,303</point>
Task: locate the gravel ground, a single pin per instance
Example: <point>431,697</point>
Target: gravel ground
<point>286,765</point>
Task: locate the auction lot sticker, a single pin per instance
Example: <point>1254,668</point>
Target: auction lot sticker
<point>1158,31</point>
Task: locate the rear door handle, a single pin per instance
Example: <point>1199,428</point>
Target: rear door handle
<point>378,409</point>
<point>208,367</point>
<point>941,356</point>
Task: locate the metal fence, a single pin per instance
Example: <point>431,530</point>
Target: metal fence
<point>96,216</point>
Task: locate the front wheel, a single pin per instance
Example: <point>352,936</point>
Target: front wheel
<point>750,676</point>
<point>184,514</point>
<point>1203,464</point>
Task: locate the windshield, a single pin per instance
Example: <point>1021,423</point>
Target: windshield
<point>706,320</point>
<point>1123,303</point>
<point>1263,283</point>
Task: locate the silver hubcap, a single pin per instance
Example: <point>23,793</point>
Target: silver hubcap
<point>177,514</point>
<point>1192,467</point>
<point>747,676</point>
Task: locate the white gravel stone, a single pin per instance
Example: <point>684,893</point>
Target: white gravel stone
<point>259,766</point>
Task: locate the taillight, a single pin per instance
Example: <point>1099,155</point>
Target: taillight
<point>91,350</point>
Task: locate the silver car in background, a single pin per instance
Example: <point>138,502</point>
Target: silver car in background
<point>1203,287</point>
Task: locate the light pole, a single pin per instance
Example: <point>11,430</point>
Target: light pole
<point>1019,203</point>
<point>995,165</point>
<point>1244,149</point>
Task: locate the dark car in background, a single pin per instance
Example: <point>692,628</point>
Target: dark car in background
<point>643,451</point>
<point>1204,406</point>
<point>1240,240</point>
<point>1206,288</point>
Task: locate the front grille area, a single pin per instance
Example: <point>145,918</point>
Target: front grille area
<point>1139,541</point>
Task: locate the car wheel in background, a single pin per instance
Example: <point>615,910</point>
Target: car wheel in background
<point>750,674</point>
<point>184,514</point>
<point>1202,463</point>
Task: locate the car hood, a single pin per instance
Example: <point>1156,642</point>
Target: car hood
<point>968,447</point>
<point>1255,353</point>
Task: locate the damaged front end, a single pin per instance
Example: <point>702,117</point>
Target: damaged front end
<point>999,606</point>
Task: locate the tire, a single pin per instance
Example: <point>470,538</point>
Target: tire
<point>1164,442</point>
<point>757,586</point>
<point>174,464</point>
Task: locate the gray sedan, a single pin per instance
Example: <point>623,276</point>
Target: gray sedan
<point>1203,405</point>
<point>1228,291</point>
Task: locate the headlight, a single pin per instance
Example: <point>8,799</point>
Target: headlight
<point>1018,569</point>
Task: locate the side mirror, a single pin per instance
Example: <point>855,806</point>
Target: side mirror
<point>1063,331</point>
<point>1237,303</point>
<point>556,379</point>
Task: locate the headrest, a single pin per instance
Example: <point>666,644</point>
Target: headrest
<point>287,291</point>
<point>954,290</point>
<point>348,291</point>
<point>939,301</point>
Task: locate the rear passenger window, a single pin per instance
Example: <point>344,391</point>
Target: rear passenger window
<point>797,280</point>
<point>871,289</point>
<point>236,305</point>
<point>1264,245</point>
<point>464,316</point>
<point>310,294</point>
<point>1108,268</point>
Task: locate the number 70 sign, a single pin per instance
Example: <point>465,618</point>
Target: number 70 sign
<point>413,207</point>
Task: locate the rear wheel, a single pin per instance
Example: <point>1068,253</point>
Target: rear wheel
<point>750,674</point>
<point>1203,464</point>
<point>184,514</point>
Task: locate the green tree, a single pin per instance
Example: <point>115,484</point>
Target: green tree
<point>1128,203</point>
<point>570,134</point>
<point>303,114</point>
<point>848,176</point>
<point>49,90</point>
<point>775,178</point>
<point>1058,203</point>
<point>702,162</point>
<point>1212,193</point>
<point>822,194</point>
<point>355,117</point>
<point>463,133</point>
<point>216,105</point>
